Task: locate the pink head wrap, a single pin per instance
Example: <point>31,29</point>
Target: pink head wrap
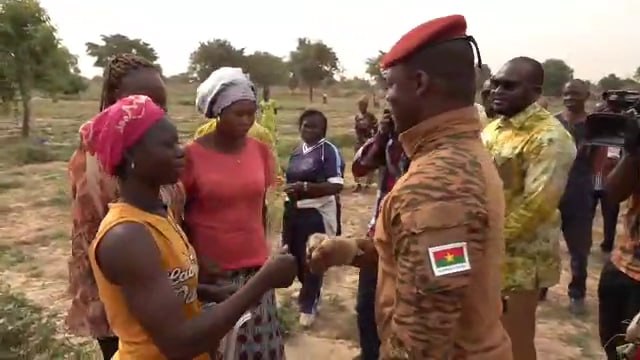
<point>118,127</point>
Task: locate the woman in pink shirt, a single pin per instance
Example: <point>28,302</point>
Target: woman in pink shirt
<point>226,178</point>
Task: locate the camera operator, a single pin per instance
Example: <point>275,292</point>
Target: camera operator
<point>619,287</point>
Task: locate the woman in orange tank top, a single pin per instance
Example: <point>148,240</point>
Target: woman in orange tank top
<point>145,269</point>
<point>92,190</point>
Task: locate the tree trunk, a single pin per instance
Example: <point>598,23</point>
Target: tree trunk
<point>26,108</point>
<point>310,93</point>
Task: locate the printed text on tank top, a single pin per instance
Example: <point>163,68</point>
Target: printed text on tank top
<point>179,276</point>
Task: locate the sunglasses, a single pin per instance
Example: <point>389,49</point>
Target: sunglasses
<point>507,85</point>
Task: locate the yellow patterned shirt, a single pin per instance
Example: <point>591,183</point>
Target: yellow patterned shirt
<point>263,135</point>
<point>268,110</point>
<point>256,131</point>
<point>533,153</point>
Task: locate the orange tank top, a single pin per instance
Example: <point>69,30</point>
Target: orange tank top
<point>179,261</point>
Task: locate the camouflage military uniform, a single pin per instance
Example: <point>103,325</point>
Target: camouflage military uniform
<point>440,246</point>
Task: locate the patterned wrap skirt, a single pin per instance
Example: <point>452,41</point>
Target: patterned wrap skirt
<point>261,336</point>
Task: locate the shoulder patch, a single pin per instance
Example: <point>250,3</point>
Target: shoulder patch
<point>449,259</point>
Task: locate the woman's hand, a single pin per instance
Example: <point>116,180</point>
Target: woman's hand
<point>294,190</point>
<point>280,270</point>
<point>294,187</point>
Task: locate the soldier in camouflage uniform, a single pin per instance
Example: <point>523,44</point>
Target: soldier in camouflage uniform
<point>438,239</point>
<point>533,153</point>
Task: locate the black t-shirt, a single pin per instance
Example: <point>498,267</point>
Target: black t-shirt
<point>580,183</point>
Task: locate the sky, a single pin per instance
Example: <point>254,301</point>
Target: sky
<point>593,37</point>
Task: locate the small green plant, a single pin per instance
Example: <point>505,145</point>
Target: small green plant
<point>27,333</point>
<point>288,317</point>
<point>12,256</point>
<point>27,152</point>
<point>8,184</point>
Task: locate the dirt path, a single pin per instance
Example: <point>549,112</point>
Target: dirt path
<point>34,249</point>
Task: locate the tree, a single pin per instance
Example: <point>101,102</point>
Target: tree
<point>212,55</point>
<point>313,62</point>
<point>266,69</point>
<point>556,74</point>
<point>7,87</point>
<point>373,68</point>
<point>630,84</point>
<point>62,75</point>
<point>355,83</point>
<point>118,44</point>
<point>31,55</point>
<point>636,75</point>
<point>611,82</point>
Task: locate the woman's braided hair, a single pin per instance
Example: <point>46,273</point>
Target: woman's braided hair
<point>117,68</point>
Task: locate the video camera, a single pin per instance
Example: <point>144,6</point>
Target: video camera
<point>607,127</point>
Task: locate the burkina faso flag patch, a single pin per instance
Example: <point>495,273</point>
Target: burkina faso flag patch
<point>449,259</point>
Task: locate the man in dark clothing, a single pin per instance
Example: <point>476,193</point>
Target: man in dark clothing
<point>384,153</point>
<point>576,206</point>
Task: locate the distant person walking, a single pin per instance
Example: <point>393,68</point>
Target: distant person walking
<point>365,126</point>
<point>92,190</point>
<point>268,112</point>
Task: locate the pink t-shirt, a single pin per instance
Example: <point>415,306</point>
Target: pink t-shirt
<point>225,199</point>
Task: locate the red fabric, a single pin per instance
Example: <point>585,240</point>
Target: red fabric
<point>119,127</point>
<point>436,30</point>
<point>225,200</point>
<point>602,164</point>
<point>358,169</point>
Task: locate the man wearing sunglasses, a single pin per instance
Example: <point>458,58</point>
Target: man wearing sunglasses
<point>533,153</point>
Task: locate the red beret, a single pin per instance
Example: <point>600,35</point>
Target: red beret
<point>434,31</point>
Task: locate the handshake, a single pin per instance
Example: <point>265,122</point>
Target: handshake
<point>322,253</point>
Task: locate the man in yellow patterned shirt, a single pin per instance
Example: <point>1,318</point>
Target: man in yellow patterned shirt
<point>533,153</point>
<point>268,112</point>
